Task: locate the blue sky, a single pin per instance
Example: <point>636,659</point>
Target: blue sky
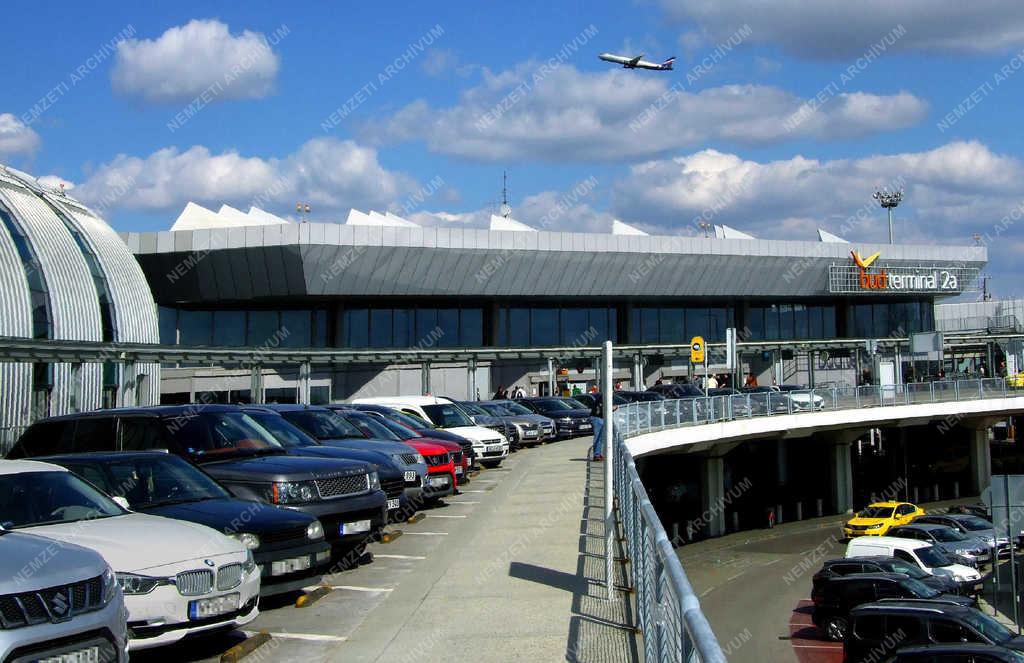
<point>731,133</point>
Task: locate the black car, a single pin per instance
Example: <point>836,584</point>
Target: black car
<point>677,390</point>
<point>569,421</point>
<point>765,400</point>
<point>224,441</point>
<point>424,428</point>
<point>956,653</point>
<point>592,398</point>
<point>845,566</point>
<point>836,597</point>
<point>297,441</point>
<point>979,510</point>
<point>914,623</point>
<point>288,545</point>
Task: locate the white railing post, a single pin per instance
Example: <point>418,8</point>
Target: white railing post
<point>609,467</point>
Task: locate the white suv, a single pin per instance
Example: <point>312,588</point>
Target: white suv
<point>178,578</point>
<point>490,447</point>
<point>58,602</point>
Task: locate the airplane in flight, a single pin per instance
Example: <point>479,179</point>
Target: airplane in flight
<point>638,62</point>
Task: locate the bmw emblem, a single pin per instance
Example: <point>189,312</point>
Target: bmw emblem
<point>209,563</point>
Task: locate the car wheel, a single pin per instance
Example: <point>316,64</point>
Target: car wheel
<point>835,628</point>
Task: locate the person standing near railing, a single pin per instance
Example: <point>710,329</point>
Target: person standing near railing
<point>597,421</point>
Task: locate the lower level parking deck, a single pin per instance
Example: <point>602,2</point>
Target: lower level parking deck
<point>510,569</point>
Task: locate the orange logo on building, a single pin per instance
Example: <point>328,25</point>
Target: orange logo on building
<point>868,281</point>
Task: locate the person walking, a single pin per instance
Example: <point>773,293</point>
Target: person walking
<point>597,422</point>
<point>501,394</point>
<point>712,383</point>
<point>751,381</point>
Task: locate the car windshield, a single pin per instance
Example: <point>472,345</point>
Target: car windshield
<point>496,410</point>
<point>576,405</point>
<point>323,424</point>
<point>472,408</point>
<point>288,434</point>
<point>987,626</point>
<point>29,499</point>
<point>947,535</point>
<point>552,404</point>
<point>516,408</point>
<point>974,524</point>
<point>412,421</point>
<point>876,512</point>
<point>918,589</point>
<point>447,416</point>
<point>371,426</point>
<point>912,570</point>
<point>402,432</point>
<point>207,435</point>
<point>932,557</point>
<point>149,481</point>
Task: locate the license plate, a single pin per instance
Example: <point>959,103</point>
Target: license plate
<point>530,433</point>
<point>458,470</point>
<point>87,655</point>
<point>439,482</point>
<point>409,477</point>
<point>211,607</point>
<point>356,527</point>
<point>584,426</point>
<point>392,504</point>
<point>285,566</point>
<point>494,447</point>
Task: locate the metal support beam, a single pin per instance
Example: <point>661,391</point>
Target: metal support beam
<point>471,390</point>
<point>551,376</point>
<point>638,372</point>
<point>425,377</point>
<point>126,384</point>
<point>980,454</point>
<point>304,375</point>
<point>256,392</point>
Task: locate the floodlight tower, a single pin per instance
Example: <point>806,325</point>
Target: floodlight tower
<point>889,200</point>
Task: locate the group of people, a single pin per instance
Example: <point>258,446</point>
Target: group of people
<point>505,394</point>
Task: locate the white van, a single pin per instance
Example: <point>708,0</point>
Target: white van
<point>490,447</point>
<point>923,554</point>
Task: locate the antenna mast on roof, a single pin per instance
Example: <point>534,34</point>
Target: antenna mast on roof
<point>506,209</point>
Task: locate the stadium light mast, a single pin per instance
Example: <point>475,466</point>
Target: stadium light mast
<point>889,200</point>
<point>303,210</point>
<point>705,226</point>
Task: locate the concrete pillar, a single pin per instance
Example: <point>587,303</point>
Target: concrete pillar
<point>551,377</point>
<point>256,392</point>
<point>425,377</point>
<point>303,388</point>
<point>713,494</point>
<point>841,475</point>
<point>781,462</point>
<point>638,372</point>
<point>75,388</point>
<point>126,384</point>
<point>471,379</point>
<point>981,460</point>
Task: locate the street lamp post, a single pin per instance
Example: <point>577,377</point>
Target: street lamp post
<point>889,200</point>
<point>303,210</point>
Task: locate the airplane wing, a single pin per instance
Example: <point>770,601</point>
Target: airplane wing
<point>635,61</point>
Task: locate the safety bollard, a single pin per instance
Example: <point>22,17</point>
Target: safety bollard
<point>799,510</point>
<point>937,498</point>
<point>778,514</point>
<point>917,497</point>
<point>735,521</point>
<point>956,490</point>
<point>819,507</point>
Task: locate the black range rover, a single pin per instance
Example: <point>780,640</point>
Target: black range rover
<point>236,451</point>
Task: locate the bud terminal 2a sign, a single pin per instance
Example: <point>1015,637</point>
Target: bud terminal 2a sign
<point>865,276</point>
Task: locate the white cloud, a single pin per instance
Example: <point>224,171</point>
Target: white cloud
<point>839,29</point>
<point>188,60</point>
<point>951,192</point>
<point>568,115</point>
<point>440,61</point>
<point>15,137</point>
<point>332,175</point>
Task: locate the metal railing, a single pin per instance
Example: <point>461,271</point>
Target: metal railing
<point>669,616</point>
<point>650,416</point>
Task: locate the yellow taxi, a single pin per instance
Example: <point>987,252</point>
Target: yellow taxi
<point>1016,380</point>
<point>877,518</point>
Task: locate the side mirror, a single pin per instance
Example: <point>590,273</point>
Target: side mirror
<point>121,502</point>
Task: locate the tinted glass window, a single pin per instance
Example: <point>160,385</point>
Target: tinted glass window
<point>94,475</point>
<point>195,327</point>
<point>28,499</point>
<point>323,425</point>
<point>210,434</point>
<point>945,632</point>
<point>870,627</point>
<point>373,427</point>
<point>447,416</point>
<point>286,433</point>
<point>46,438</point>
<point>96,434</point>
<point>161,479</point>
<point>141,433</point>
<point>885,589</point>
<point>909,627</point>
<point>905,556</point>
<point>229,328</point>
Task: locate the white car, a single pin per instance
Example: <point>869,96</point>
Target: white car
<point>490,447</point>
<point>178,578</point>
<point>931,559</point>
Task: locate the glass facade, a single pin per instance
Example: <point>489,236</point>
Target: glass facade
<point>539,326</point>
<point>42,322</point>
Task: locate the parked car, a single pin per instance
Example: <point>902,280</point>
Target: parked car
<point>238,453</point>
<point>343,440</point>
<point>39,621</point>
<point>569,421</point>
<point>288,546</point>
<point>178,578</point>
<point>804,398</point>
<point>912,623</point>
<point>677,390</point>
<point>961,652</point>
<point>482,417</point>
<point>877,518</point>
<point>836,597</point>
<point>490,446</point>
<point>971,526</point>
<point>928,557</point>
<point>531,428</point>
<point>439,456</point>
<point>845,566</point>
<point>766,401</point>
<point>968,550</point>
<point>520,431</point>
<point>590,399</point>
<point>979,510</point>
<point>425,428</point>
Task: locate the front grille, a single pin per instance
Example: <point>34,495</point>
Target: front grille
<point>229,576</point>
<point>194,583</point>
<point>409,459</point>
<point>392,487</point>
<point>291,534</point>
<point>53,648</point>
<point>339,486</point>
<point>439,459</point>
<point>457,457</point>
<point>497,441</point>
<point>53,604</point>
<point>489,454</point>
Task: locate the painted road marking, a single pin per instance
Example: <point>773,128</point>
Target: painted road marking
<point>356,588</point>
<point>444,515</point>
<point>454,502</point>
<point>383,556</point>
<point>310,637</point>
<point>428,533</point>
<point>474,491</point>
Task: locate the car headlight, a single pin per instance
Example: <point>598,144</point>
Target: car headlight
<point>249,565</point>
<point>292,492</point>
<point>250,541</point>
<point>374,481</point>
<point>315,531</point>
<point>876,526</point>
<point>136,584</point>
<point>109,582</point>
